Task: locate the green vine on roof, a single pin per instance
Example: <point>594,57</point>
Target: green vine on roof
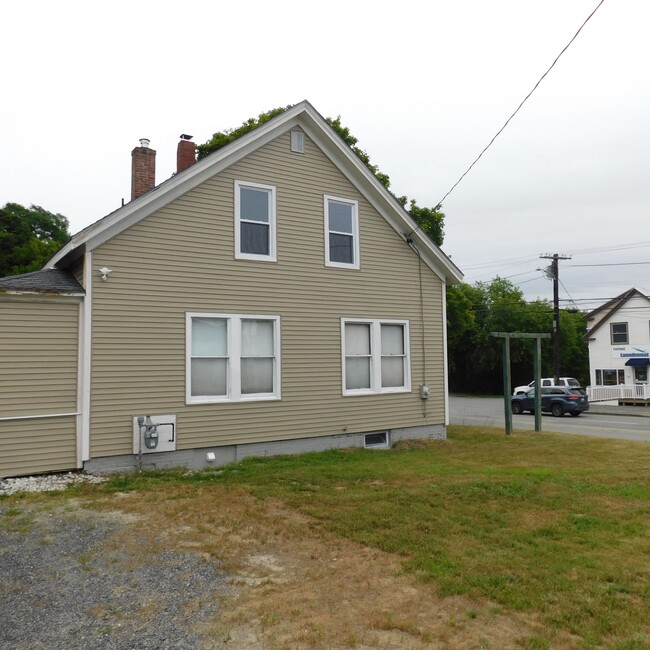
<point>430,220</point>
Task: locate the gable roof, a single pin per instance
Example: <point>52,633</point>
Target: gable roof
<point>52,281</point>
<point>603,313</point>
<point>301,115</point>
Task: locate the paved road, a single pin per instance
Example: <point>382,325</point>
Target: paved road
<point>622,422</point>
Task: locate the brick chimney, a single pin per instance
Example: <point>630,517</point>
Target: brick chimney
<point>143,169</point>
<point>185,153</point>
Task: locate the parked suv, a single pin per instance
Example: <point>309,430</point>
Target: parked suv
<point>548,381</point>
<point>556,400</point>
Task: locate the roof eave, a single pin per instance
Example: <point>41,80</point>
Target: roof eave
<point>316,127</point>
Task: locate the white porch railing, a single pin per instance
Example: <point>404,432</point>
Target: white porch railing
<point>622,391</point>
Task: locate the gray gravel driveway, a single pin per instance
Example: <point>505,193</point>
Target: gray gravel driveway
<point>66,582</point>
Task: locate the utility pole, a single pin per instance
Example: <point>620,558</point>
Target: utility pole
<point>554,274</point>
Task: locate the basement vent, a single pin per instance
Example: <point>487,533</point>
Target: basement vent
<point>376,440</point>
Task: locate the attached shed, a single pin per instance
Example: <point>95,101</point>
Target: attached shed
<point>39,361</point>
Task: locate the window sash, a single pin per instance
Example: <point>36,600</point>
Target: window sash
<point>246,366</point>
<point>619,333</point>
<point>341,232</point>
<point>255,216</point>
<point>377,362</point>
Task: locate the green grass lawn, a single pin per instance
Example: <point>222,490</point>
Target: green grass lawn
<point>549,524</point>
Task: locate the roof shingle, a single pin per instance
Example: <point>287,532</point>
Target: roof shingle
<point>45,281</point>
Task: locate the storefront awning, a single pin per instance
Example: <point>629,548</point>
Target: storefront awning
<point>638,361</point>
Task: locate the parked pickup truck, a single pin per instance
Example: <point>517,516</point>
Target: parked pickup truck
<point>548,381</point>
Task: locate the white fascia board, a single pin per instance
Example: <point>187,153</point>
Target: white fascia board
<point>41,296</point>
<point>305,116</point>
<point>379,197</point>
<point>163,194</point>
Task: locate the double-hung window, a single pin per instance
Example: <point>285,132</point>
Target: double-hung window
<point>341,232</point>
<point>255,221</point>
<point>231,358</point>
<point>375,356</point>
<point>619,334</point>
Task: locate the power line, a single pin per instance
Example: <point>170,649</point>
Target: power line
<point>498,133</point>
<point>612,264</point>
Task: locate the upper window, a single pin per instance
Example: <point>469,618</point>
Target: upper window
<point>232,358</point>
<point>254,221</point>
<point>619,333</point>
<point>341,233</point>
<point>375,356</point>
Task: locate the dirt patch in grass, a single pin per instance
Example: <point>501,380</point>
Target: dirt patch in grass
<point>294,585</point>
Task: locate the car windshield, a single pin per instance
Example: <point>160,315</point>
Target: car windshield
<point>573,382</point>
<point>573,391</point>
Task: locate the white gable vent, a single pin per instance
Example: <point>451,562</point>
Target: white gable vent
<point>297,141</point>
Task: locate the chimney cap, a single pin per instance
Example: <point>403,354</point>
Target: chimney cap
<point>144,142</point>
<point>184,136</point>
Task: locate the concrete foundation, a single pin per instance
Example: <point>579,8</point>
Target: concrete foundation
<point>216,456</point>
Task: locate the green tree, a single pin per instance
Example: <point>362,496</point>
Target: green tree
<point>429,220</point>
<point>29,237</point>
<point>222,138</point>
<point>475,362</point>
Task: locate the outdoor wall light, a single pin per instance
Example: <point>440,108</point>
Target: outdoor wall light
<point>105,272</point>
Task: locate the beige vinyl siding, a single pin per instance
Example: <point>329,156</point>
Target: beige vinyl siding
<point>38,376</point>
<point>37,446</point>
<point>181,259</point>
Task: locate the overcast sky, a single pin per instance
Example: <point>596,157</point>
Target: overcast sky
<point>423,85</point>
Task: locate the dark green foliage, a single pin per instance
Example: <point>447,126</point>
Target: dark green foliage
<point>474,311</point>
<point>430,220</point>
<point>29,237</point>
<point>222,138</point>
<point>351,141</point>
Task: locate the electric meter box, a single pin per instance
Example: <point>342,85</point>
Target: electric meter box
<point>154,433</point>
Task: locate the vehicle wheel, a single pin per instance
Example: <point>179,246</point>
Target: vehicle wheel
<point>516,408</point>
<point>557,410</point>
<point>575,414</point>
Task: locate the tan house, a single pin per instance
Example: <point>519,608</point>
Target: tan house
<point>270,298</point>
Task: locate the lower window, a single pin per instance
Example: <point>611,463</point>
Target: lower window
<point>610,377</point>
<point>232,357</point>
<point>375,356</point>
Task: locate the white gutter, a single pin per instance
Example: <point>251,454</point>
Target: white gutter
<point>37,417</point>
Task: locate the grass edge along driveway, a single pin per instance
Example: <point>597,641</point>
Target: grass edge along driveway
<point>545,525</point>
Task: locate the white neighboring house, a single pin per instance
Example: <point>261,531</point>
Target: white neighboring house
<point>618,333</point>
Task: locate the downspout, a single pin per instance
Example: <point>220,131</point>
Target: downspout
<point>424,387</point>
<point>445,359</point>
<point>85,349</point>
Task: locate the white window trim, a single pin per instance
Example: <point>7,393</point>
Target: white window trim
<point>234,393</point>
<point>375,357</point>
<point>355,232</point>
<point>627,333</point>
<point>272,256</point>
